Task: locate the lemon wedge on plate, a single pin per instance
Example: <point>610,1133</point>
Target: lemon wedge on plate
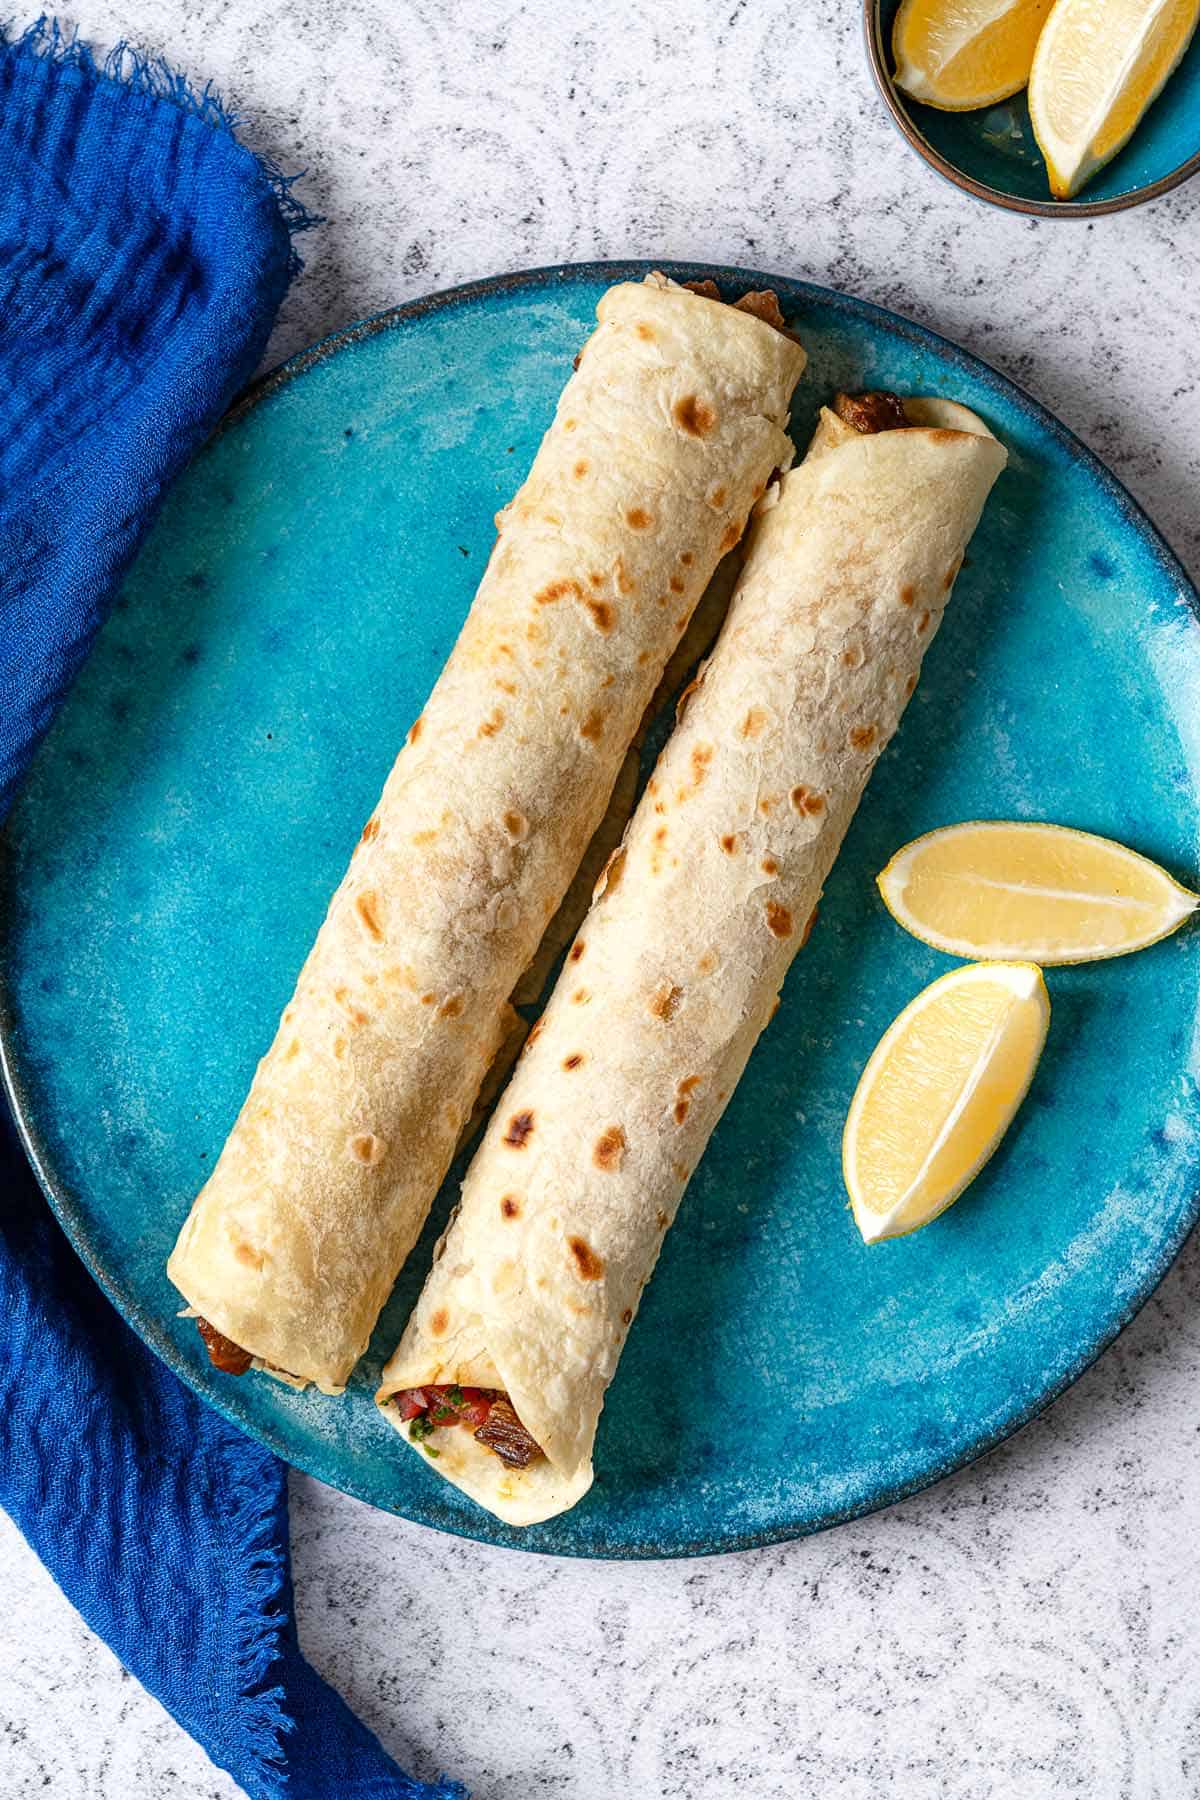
<point>1041,893</point>
<point>957,54</point>
<point>940,1092</point>
<point>1099,64</point>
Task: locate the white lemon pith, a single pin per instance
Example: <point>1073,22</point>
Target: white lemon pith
<point>939,1093</point>
<point>960,54</point>
<point>995,889</point>
<point>1098,66</point>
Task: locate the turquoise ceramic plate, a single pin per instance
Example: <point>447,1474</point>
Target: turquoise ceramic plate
<point>175,847</point>
<point>993,154</point>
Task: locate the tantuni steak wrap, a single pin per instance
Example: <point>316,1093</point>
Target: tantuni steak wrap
<point>663,439</point>
<point>502,1369</point>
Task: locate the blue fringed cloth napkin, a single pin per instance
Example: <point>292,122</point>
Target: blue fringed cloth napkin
<point>143,255</point>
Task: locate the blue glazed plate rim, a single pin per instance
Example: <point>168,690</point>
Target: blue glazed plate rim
<point>877,56</point>
<point>70,1212</point>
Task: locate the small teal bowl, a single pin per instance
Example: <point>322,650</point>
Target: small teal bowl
<point>993,154</point>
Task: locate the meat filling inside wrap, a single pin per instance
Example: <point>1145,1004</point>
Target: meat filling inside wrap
<point>487,1413</point>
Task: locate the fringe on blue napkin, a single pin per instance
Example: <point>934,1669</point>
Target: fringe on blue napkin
<point>143,255</point>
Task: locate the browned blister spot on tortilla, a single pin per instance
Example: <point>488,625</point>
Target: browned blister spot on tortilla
<point>428,999</point>
<point>908,594</point>
<point>451,1006</point>
<point>506,687</point>
<point>580,469</point>
<point>854,656</point>
<point>733,532</point>
<point>754,722</point>
<point>603,616</point>
<point>292,1051</point>
<point>729,843</point>
<point>769,866</point>
<point>682,1108</point>
<point>577,950</point>
<point>564,589</point>
<point>609,1149</point>
<point>520,1130</point>
<point>638,519</point>
<point>694,416</point>
<point>676,586</point>
<point>415,729</point>
<point>702,755</point>
<point>660,835</point>
<point>706,963</point>
<point>863,736</point>
<point>805,801</point>
<point>516,825</point>
<point>664,1001</point>
<point>646,332</point>
<point>922,623</point>
<point>253,1259</point>
<point>366,1148</point>
<point>439,1322</point>
<point>717,498</point>
<point>340,1047</point>
<point>370,830</point>
<point>689,1084</point>
<point>624,580</point>
<point>627,1316</point>
<point>574,1061</point>
<point>421,838</point>
<point>366,905</point>
<point>686,558</point>
<point>779,920</point>
<point>596,579</point>
<point>766,805</point>
<point>581,996</point>
<point>592,727</point>
<point>510,1207</point>
<point>588,1266</point>
<point>354,1013</point>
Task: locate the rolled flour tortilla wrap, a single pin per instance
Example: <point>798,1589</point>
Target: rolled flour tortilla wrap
<point>663,439</point>
<point>677,967</point>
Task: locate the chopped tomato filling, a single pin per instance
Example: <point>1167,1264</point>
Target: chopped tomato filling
<point>486,1412</point>
<point>447,1405</point>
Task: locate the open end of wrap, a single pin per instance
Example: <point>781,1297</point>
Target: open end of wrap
<point>475,1440</point>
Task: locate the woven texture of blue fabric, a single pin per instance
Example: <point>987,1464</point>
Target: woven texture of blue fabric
<point>143,255</point>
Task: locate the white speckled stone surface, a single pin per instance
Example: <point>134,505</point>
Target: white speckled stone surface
<point>1029,1628</point>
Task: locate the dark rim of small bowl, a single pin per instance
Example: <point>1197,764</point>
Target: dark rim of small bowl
<point>877,55</point>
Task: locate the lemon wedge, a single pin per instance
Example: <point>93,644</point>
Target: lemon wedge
<point>956,54</point>
<point>939,1093</point>
<point>1042,893</point>
<point>1099,64</point>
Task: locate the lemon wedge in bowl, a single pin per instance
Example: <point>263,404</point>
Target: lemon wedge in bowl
<point>1098,66</point>
<point>939,1093</point>
<point>959,54</point>
<point>998,889</point>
